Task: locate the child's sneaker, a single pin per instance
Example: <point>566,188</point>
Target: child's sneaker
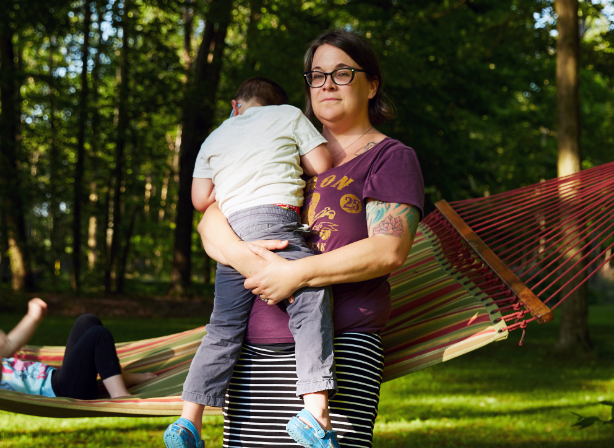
<point>311,436</point>
<point>182,434</point>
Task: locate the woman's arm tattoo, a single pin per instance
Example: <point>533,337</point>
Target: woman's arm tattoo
<point>390,218</point>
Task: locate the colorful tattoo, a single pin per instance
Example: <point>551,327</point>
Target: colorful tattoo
<point>389,218</point>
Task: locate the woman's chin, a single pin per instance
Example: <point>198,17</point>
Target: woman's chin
<point>328,117</point>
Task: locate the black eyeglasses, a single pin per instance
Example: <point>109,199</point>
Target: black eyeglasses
<point>341,76</point>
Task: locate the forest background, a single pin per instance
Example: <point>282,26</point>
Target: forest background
<point>104,105</point>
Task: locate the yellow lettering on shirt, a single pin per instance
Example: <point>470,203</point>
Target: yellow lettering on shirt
<point>311,184</point>
<point>342,183</point>
<point>351,203</point>
<point>329,180</point>
<point>318,247</point>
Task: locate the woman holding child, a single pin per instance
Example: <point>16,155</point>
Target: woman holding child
<point>363,214</point>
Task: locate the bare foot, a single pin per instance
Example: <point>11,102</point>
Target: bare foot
<point>131,378</point>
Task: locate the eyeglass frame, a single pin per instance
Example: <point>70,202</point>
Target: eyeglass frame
<point>353,70</point>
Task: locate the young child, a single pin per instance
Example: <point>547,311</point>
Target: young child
<point>90,352</point>
<point>254,162</point>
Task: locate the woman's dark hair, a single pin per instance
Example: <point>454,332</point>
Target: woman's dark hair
<point>381,108</point>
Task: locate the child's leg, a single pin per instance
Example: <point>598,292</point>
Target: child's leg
<point>92,354</point>
<point>216,357</point>
<point>83,323</point>
<point>311,324</point>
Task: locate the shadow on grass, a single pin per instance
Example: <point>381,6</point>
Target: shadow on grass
<point>445,441</point>
<point>140,435</point>
<point>467,412</point>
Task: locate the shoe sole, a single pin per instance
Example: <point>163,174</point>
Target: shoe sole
<point>172,440</point>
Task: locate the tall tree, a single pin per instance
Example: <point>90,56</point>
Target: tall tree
<point>120,144</point>
<point>78,193</point>
<point>573,332</point>
<point>10,182</point>
<point>197,118</point>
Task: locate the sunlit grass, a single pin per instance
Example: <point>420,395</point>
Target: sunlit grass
<point>500,396</point>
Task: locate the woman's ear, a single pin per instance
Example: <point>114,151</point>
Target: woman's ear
<point>373,86</point>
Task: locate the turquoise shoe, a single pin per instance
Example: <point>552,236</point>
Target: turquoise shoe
<point>311,436</point>
<point>182,434</point>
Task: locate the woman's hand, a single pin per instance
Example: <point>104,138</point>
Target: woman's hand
<point>277,280</point>
<point>37,309</point>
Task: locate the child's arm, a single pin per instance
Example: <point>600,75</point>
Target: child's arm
<point>203,194</point>
<point>21,334</point>
<point>317,160</point>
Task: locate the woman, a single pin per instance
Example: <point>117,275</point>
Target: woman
<point>90,351</point>
<point>363,215</point>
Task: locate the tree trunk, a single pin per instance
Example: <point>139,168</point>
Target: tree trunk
<point>198,109</point>
<point>121,271</point>
<point>53,176</point>
<point>573,332</point>
<point>75,276</point>
<point>95,237</point>
<point>122,128</point>
<point>5,264</point>
<point>10,193</point>
<point>255,7</point>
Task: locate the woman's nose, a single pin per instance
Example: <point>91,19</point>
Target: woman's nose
<point>329,84</point>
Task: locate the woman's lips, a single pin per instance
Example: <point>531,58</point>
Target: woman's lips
<point>330,99</point>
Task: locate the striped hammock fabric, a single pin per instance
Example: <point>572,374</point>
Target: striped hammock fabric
<point>437,315</point>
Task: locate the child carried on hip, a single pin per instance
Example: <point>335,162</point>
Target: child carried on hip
<point>252,166</point>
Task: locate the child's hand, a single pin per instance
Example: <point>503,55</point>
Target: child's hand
<point>37,309</point>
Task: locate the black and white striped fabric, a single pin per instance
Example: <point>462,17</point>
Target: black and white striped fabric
<point>261,398</point>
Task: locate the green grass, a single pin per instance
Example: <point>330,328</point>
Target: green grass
<point>502,395</point>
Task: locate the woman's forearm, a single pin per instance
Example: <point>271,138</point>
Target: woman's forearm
<point>223,245</point>
<point>216,234</point>
<point>362,260</point>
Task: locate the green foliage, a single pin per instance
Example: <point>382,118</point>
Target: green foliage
<point>473,82</point>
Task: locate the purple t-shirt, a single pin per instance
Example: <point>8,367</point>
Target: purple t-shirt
<point>334,207</point>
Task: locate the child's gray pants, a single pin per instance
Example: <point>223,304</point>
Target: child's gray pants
<point>311,320</point>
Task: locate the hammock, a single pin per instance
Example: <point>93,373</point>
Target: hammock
<point>453,294</point>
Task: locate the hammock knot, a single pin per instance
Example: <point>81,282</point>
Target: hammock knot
<point>517,308</point>
<point>523,325</point>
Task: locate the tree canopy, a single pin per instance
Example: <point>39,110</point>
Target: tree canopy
<point>104,102</point>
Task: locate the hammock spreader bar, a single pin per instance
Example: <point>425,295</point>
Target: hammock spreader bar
<point>526,296</point>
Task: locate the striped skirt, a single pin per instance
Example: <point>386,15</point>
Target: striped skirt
<point>262,398</point>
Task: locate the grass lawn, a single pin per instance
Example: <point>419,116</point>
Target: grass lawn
<point>502,395</point>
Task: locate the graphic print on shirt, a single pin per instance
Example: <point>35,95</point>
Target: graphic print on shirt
<point>24,376</point>
<point>316,219</point>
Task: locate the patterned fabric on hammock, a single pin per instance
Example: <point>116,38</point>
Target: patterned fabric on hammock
<point>437,314</point>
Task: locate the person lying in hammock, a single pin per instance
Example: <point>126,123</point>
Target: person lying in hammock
<point>90,351</point>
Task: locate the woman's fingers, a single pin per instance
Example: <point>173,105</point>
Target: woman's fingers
<point>265,254</point>
<point>271,244</point>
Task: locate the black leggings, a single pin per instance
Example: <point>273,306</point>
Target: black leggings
<point>90,350</point>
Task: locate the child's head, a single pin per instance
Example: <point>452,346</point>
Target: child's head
<point>262,91</point>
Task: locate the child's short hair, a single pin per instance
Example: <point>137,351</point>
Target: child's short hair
<point>263,90</point>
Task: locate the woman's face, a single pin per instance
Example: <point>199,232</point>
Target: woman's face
<point>333,104</point>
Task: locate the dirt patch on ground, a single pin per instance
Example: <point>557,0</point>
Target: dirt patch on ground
<point>127,306</point>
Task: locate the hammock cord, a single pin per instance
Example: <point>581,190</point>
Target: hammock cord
<point>554,236</point>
